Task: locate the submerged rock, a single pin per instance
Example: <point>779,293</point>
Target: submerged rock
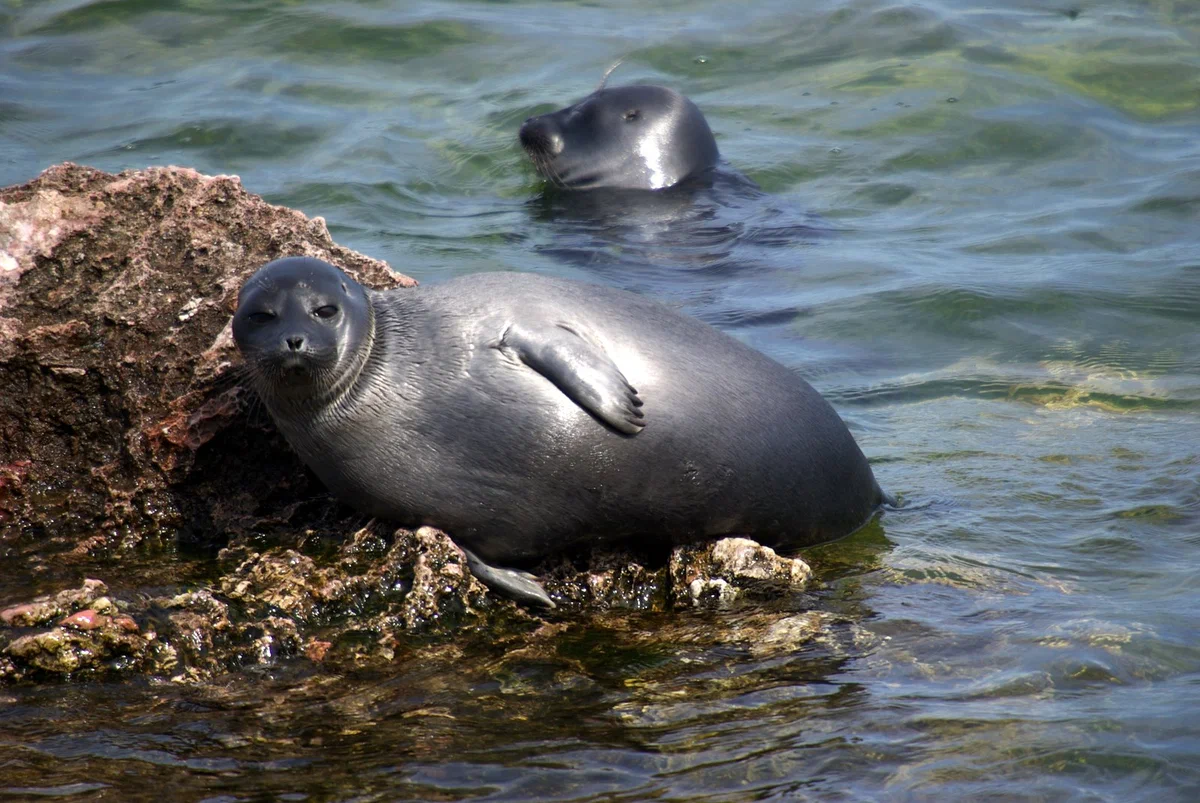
<point>124,432</point>
<point>51,606</point>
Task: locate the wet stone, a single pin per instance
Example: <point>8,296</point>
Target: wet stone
<point>120,376</point>
<point>359,605</point>
<point>719,573</point>
<point>86,620</point>
<point>47,608</point>
<point>67,651</point>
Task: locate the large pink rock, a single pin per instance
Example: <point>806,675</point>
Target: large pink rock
<point>120,411</point>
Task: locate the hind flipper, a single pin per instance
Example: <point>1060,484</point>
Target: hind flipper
<point>520,586</point>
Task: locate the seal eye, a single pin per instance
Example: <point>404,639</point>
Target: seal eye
<point>632,115</point>
<point>327,311</point>
<point>261,317</point>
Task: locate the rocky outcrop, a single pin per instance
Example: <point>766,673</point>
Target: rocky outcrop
<point>121,417</point>
<point>357,606</point>
<point>124,433</point>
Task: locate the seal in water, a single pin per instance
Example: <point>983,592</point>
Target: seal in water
<point>631,137</point>
<point>528,416</point>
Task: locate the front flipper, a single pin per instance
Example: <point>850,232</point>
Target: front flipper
<point>582,371</point>
<point>521,586</point>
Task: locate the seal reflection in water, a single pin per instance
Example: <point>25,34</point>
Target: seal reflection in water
<point>528,416</point>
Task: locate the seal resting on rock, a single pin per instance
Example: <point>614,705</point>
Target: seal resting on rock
<point>627,137</point>
<point>527,416</point>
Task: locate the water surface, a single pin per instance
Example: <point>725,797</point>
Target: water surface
<point>1002,302</point>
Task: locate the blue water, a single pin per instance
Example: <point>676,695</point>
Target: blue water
<point>979,236</point>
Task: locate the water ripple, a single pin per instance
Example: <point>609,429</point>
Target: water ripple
<point>974,229</point>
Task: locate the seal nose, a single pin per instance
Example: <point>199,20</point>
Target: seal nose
<point>295,342</point>
<point>539,135</point>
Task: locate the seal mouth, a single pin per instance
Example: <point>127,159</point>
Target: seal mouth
<point>292,364</point>
<point>290,374</point>
<point>294,371</point>
<point>545,168</point>
<point>561,177</point>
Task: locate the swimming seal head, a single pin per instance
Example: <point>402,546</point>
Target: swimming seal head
<point>630,137</point>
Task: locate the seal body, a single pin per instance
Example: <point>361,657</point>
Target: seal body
<point>528,416</point>
<point>629,137</point>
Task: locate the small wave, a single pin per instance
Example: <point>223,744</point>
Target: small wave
<point>1054,386</point>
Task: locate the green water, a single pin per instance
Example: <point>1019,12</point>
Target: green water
<point>1003,304</point>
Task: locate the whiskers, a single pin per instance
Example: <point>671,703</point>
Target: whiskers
<point>228,382</point>
<point>277,379</point>
<point>608,72</point>
<point>250,403</point>
<point>544,164</point>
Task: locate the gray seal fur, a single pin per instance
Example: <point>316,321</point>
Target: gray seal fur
<point>629,137</point>
<point>529,416</point>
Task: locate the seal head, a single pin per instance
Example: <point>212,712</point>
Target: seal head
<point>631,137</point>
<point>305,329</point>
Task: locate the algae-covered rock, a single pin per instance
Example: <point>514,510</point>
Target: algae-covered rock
<point>710,574</point>
<point>356,606</point>
<point>91,633</point>
<point>52,606</point>
<point>65,650</point>
<point>720,572</point>
<point>418,579</point>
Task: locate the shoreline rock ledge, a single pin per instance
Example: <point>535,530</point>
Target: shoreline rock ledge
<point>124,433</point>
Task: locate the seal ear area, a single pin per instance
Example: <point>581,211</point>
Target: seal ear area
<point>583,372</point>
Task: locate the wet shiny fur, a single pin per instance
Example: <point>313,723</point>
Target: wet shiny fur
<point>528,416</point>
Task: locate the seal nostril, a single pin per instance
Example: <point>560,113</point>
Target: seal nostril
<point>538,135</point>
<point>529,135</point>
<point>295,343</point>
